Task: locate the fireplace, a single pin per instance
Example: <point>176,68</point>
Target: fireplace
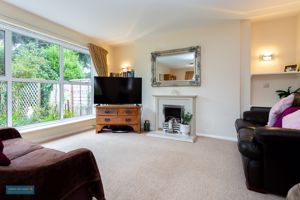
<point>173,112</point>
<point>170,107</point>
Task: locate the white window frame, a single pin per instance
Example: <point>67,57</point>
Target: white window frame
<point>8,31</point>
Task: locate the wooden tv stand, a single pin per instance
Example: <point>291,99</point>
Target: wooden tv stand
<point>118,115</point>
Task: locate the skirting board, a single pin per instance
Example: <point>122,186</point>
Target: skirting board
<point>218,137</point>
<point>55,132</point>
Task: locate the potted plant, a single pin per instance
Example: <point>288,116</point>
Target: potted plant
<point>185,126</point>
<point>285,93</point>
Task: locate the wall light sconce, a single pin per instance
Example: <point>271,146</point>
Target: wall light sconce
<point>266,57</point>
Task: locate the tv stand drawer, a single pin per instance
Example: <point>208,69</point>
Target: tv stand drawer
<point>128,111</point>
<point>107,111</point>
<point>108,120</point>
<point>129,120</point>
<point>124,120</point>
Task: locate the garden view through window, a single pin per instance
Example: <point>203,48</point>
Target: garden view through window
<point>3,92</point>
<point>36,81</point>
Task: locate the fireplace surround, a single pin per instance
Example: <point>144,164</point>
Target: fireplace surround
<point>171,106</point>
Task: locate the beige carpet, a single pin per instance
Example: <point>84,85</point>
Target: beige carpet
<point>139,167</point>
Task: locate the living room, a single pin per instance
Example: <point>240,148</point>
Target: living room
<point>242,53</point>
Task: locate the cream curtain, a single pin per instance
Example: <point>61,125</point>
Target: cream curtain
<point>98,55</point>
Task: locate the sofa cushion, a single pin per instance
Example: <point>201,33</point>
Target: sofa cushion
<point>285,114</point>
<point>292,120</point>
<point>17,147</point>
<point>279,107</point>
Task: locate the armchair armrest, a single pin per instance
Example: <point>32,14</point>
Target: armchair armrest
<point>58,177</point>
<point>250,150</point>
<point>277,135</point>
<point>9,133</point>
<point>281,150</point>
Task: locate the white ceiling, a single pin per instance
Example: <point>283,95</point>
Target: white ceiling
<point>118,21</point>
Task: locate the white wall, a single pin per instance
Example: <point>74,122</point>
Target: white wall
<point>277,36</point>
<point>218,102</point>
<point>281,37</point>
<point>245,65</point>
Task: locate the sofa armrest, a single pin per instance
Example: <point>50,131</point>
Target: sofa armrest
<point>257,116</point>
<point>250,149</point>
<point>9,133</point>
<point>64,175</point>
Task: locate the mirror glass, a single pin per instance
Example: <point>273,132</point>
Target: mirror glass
<point>178,67</point>
<point>175,67</point>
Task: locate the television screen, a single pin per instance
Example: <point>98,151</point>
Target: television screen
<point>117,90</point>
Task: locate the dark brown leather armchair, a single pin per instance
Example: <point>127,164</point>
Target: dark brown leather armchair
<point>270,155</point>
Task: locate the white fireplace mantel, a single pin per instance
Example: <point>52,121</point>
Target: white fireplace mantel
<point>189,104</point>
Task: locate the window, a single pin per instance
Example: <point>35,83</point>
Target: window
<point>77,90</point>
<point>34,103</point>
<point>2,69</point>
<point>77,100</point>
<point>34,59</point>
<point>47,80</point>
<point>3,103</point>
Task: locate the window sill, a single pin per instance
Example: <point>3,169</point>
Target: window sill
<point>42,126</point>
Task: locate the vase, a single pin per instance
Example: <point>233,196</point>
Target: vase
<point>185,129</point>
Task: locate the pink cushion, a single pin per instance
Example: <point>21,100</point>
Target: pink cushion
<point>279,107</point>
<point>4,161</point>
<point>292,120</point>
<point>285,113</point>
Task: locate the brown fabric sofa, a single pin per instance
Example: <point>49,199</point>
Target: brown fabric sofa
<point>54,174</point>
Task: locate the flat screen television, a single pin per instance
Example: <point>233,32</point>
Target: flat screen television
<point>117,90</point>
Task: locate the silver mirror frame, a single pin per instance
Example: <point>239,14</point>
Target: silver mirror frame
<point>177,83</point>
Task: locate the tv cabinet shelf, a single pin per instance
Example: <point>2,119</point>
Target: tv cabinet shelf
<point>118,115</point>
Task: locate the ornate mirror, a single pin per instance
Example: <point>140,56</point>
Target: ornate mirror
<point>176,67</point>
